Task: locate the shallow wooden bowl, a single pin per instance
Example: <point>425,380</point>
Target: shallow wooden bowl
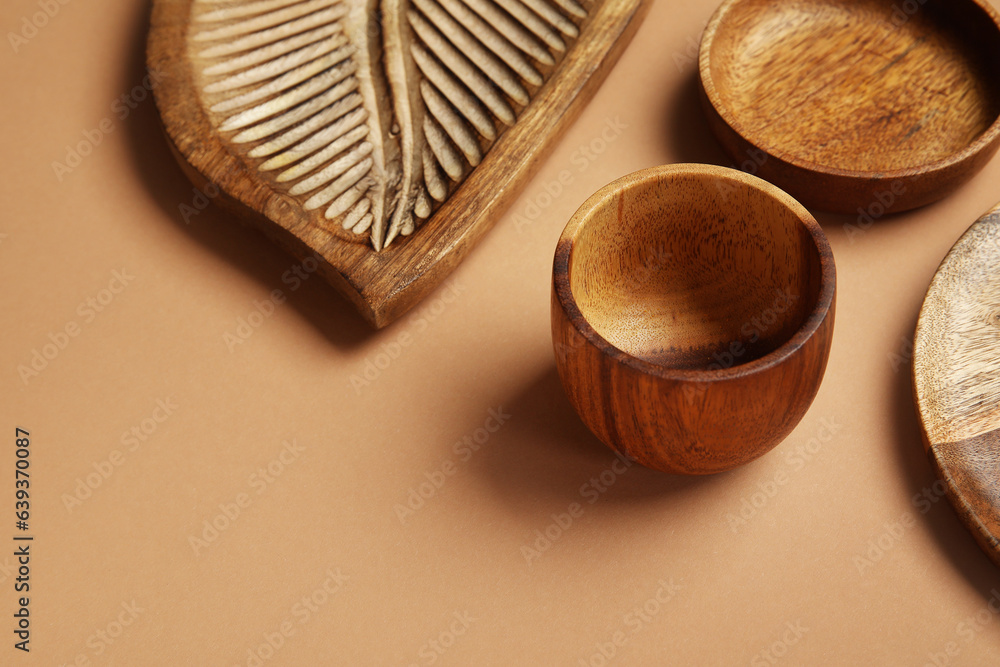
<point>874,105</point>
<point>692,315</point>
<point>956,378</point>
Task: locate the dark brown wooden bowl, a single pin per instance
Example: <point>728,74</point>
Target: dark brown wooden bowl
<point>692,316</point>
<point>874,105</point>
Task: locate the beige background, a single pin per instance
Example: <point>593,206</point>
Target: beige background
<point>480,343</point>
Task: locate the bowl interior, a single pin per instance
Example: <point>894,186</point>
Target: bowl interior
<point>695,270</point>
<point>862,86</point>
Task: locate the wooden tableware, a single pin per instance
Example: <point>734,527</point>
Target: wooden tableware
<point>381,138</point>
<point>692,316</point>
<point>867,106</point>
<point>956,378</point>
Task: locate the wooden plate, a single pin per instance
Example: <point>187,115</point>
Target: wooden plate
<point>956,378</point>
<point>869,104</point>
<point>377,140</point>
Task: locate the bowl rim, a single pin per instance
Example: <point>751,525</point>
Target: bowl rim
<point>562,276</point>
<point>982,143</point>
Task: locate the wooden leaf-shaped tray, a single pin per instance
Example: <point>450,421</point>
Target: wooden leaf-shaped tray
<point>382,137</point>
<point>956,369</point>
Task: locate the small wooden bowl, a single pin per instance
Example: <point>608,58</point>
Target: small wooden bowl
<point>956,378</point>
<point>692,315</point>
<point>866,106</point>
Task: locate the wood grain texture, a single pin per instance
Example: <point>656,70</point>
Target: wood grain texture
<point>383,137</point>
<point>856,103</point>
<point>692,316</point>
<point>956,378</point>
